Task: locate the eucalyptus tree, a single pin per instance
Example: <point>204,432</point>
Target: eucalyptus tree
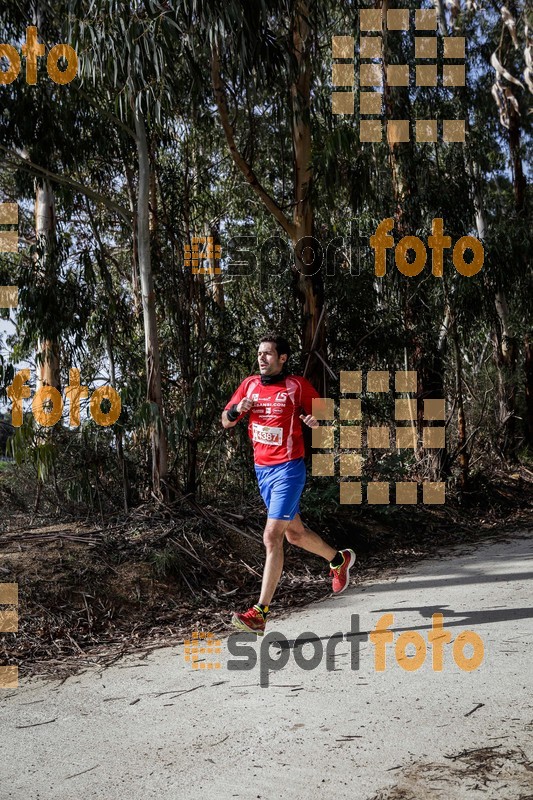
<point>273,66</point>
<point>136,64</point>
<point>124,64</point>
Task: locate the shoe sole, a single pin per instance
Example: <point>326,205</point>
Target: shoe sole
<point>237,623</point>
<point>350,565</point>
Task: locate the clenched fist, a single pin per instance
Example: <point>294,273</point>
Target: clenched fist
<point>245,405</point>
<point>309,420</point>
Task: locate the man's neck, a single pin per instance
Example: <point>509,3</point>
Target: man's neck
<point>266,380</point>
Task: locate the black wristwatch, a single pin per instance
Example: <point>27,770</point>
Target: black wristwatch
<point>232,413</point>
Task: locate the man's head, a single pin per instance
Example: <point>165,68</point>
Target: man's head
<point>273,354</point>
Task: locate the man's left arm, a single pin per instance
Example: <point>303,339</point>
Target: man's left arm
<point>309,393</point>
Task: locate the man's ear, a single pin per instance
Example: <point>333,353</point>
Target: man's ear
<point>284,357</point>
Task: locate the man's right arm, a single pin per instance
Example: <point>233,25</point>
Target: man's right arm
<point>231,416</point>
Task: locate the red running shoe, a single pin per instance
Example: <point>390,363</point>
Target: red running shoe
<point>251,621</point>
<point>341,575</point>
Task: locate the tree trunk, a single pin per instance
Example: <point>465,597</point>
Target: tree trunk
<point>151,341</point>
<point>463,454</point>
<point>118,433</point>
<point>528,368</point>
<point>135,289</point>
<point>215,284</point>
<point>426,348</point>
<point>308,286</point>
<point>506,353</point>
<point>46,273</point>
<point>504,343</point>
<point>309,281</point>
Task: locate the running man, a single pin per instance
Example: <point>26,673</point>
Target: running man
<point>275,401</point>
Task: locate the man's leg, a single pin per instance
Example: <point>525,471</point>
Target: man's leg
<point>308,539</point>
<point>340,560</point>
<point>273,541</point>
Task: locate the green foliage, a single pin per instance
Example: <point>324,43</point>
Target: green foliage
<point>165,563</point>
<point>157,57</point>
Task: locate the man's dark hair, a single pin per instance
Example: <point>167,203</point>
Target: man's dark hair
<point>281,344</point>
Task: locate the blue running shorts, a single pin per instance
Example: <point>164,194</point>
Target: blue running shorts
<point>281,486</point>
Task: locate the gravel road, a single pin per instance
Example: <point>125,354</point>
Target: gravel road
<point>155,727</point>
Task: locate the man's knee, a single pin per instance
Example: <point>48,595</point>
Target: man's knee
<point>295,532</point>
<point>273,534</point>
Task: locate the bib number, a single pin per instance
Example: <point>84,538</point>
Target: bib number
<point>267,435</point>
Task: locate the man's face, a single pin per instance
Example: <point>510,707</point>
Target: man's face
<point>267,358</point>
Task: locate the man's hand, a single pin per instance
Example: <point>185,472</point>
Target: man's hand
<point>245,405</point>
<point>309,420</point>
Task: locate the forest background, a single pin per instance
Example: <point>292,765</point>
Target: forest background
<point>214,119</point>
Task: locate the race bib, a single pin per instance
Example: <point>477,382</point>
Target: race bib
<point>266,434</point>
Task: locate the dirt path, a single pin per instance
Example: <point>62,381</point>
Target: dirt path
<point>155,727</point>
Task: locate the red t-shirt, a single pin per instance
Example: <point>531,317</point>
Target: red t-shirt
<point>274,425</point>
